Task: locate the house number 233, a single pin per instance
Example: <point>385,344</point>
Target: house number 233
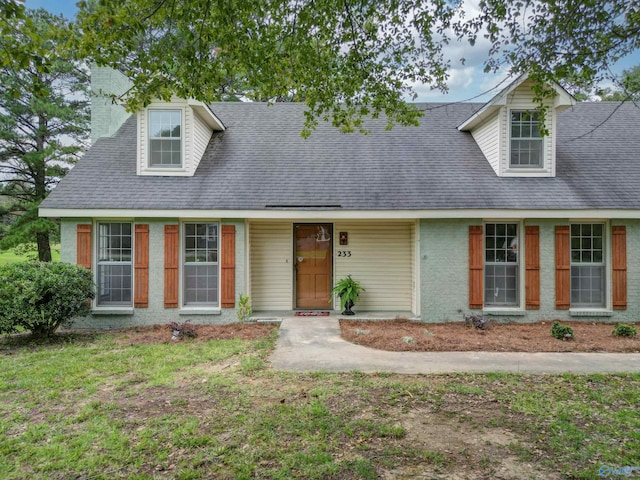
<point>344,253</point>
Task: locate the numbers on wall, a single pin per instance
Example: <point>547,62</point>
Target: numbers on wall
<point>344,253</point>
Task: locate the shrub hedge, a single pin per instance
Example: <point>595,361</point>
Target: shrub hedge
<point>41,296</point>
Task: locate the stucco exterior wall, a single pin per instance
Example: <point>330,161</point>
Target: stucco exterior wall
<point>444,271</point>
<point>444,274</point>
<point>155,313</point>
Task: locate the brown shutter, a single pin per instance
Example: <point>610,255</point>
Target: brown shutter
<point>228,252</point>
<point>532,267</point>
<point>619,266</point>
<point>171,255</point>
<point>476,266</point>
<point>141,266</point>
<point>563,268</point>
<point>83,246</point>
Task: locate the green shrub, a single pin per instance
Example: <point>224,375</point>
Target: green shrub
<point>561,332</point>
<point>244,308</point>
<point>623,330</point>
<point>41,296</point>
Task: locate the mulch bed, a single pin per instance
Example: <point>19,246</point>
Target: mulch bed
<point>406,335</point>
<point>162,333</point>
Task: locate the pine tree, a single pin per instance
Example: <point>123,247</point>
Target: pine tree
<point>44,119</point>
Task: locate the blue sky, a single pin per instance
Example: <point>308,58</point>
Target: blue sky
<point>466,82</point>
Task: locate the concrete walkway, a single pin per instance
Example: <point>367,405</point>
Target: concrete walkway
<point>314,344</point>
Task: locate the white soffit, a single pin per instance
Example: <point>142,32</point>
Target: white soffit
<point>461,213</point>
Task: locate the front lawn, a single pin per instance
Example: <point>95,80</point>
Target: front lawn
<point>9,256</point>
<point>102,406</point>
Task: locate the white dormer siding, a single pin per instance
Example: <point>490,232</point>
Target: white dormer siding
<point>197,125</point>
<point>201,136</point>
<point>491,129</point>
<point>487,136</point>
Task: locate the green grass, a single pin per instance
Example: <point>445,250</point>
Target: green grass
<point>9,256</point>
<point>88,406</point>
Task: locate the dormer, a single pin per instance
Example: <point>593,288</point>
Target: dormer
<point>508,130</point>
<point>172,137</point>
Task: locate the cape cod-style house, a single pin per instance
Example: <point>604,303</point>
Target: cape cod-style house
<point>182,206</point>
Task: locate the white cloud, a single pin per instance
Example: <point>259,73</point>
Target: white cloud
<point>467,79</point>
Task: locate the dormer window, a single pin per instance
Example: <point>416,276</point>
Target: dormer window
<point>172,137</point>
<point>165,138</point>
<point>526,142</point>
<point>507,129</point>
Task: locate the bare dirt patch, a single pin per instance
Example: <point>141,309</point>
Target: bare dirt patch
<point>406,335</point>
<point>162,333</point>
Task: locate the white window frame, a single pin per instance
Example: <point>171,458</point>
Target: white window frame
<point>184,264</point>
<point>100,263</point>
<point>520,293</point>
<point>150,139</point>
<point>524,168</point>
<point>606,266</point>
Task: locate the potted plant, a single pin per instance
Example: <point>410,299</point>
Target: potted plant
<point>348,290</point>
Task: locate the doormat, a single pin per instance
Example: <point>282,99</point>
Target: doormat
<point>312,314</point>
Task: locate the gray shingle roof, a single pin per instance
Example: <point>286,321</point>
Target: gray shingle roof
<point>261,160</point>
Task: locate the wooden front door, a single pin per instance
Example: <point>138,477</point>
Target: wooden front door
<point>313,255</point>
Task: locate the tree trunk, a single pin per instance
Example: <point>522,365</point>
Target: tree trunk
<point>44,248</point>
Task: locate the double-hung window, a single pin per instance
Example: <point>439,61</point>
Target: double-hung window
<point>165,138</point>
<point>114,264</point>
<point>526,141</point>
<point>501,272</point>
<point>201,264</point>
<point>588,265</point>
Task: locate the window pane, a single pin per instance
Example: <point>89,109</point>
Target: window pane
<point>200,264</point>
<point>165,138</point>
<point>587,286</point>
<point>114,242</point>
<point>526,142</point>
<point>587,265</point>
<point>501,285</point>
<point>201,284</point>
<point>114,282</point>
<point>597,243</point>
<point>114,264</point>
<point>501,264</point>
<point>165,123</point>
<point>597,230</point>
<point>575,230</point>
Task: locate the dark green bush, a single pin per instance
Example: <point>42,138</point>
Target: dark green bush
<point>561,332</point>
<point>41,296</point>
<point>624,330</point>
